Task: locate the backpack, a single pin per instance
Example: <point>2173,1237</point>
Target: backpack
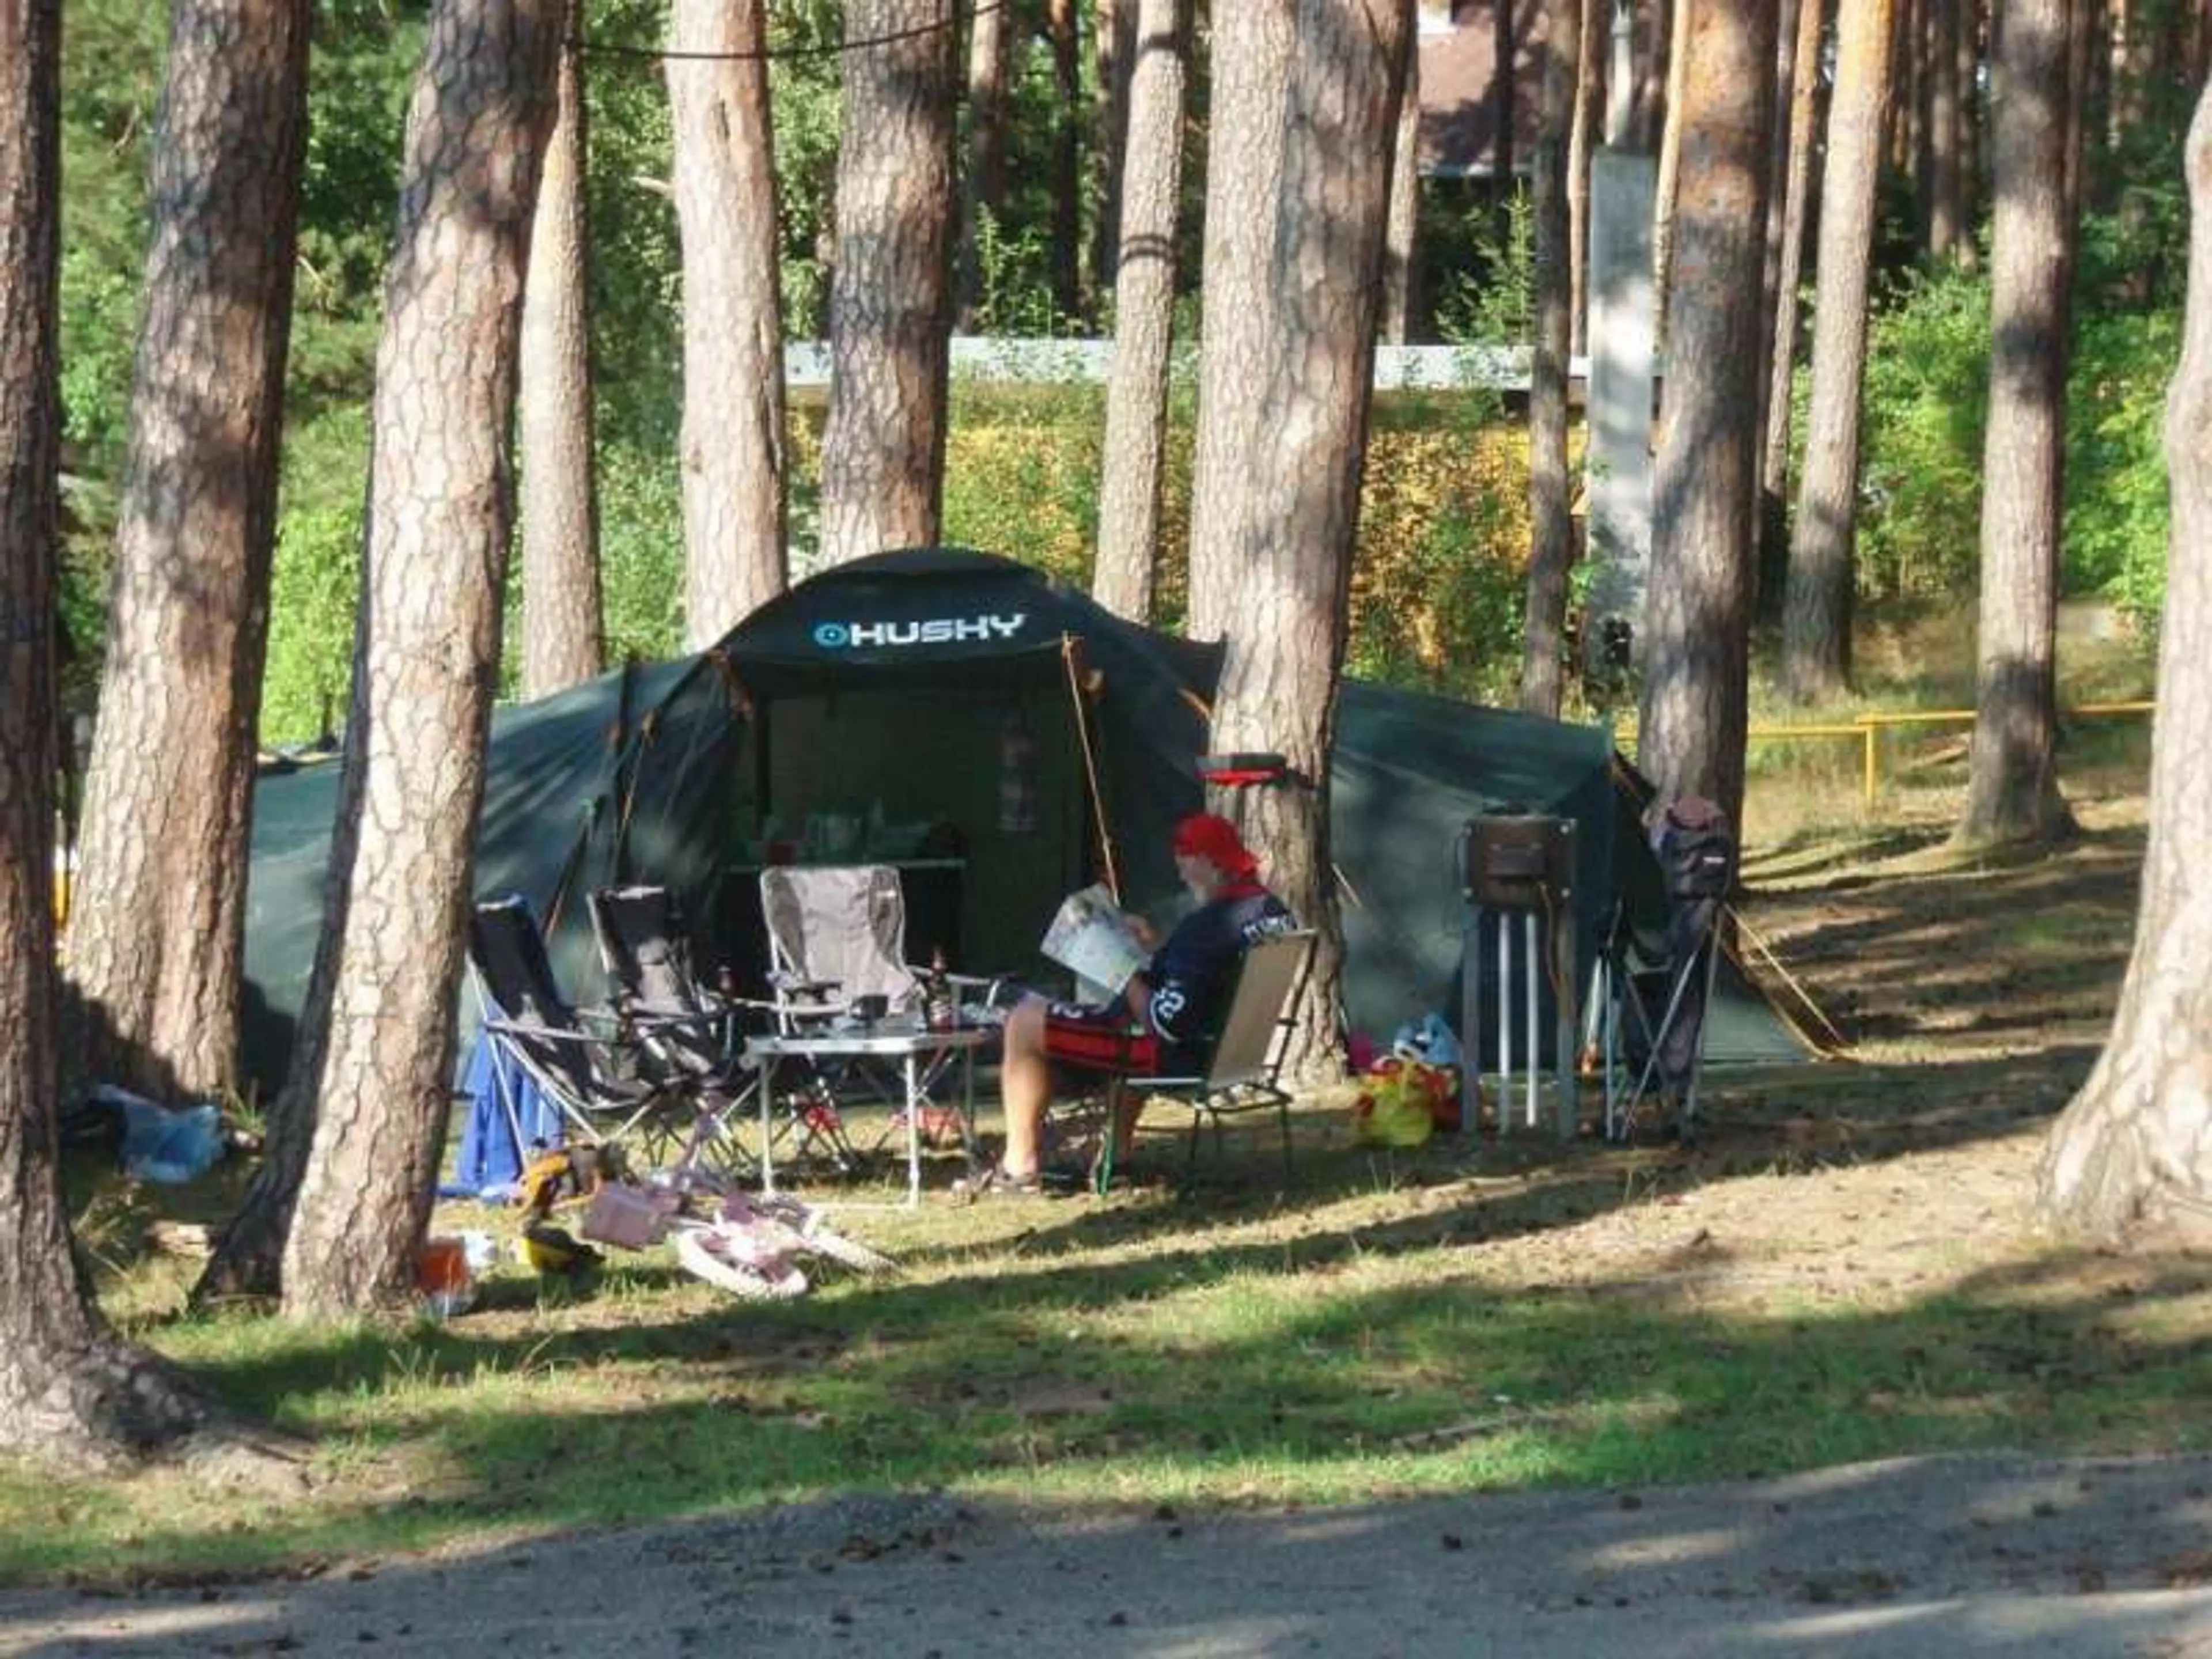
<point>1695,849</point>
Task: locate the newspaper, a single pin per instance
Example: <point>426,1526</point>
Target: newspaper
<point>1092,938</point>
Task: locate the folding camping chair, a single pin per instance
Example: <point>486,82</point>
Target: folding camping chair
<point>687,1033</point>
<point>837,934</point>
<point>1243,1069</point>
<point>1655,991</point>
<point>582,1066</point>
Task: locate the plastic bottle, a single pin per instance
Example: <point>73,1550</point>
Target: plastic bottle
<point>940,1011</point>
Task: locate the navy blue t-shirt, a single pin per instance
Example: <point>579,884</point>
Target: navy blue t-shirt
<point>1190,975</point>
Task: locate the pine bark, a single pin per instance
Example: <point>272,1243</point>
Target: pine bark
<point>1114,52</point>
<point>1590,116</point>
<point>1670,164</point>
<point>1817,605</point>
<point>157,940</point>
<point>983,183</point>
<point>2134,1145</point>
<point>2012,786</point>
<point>1250,56</point>
<point>1066,258</point>
<point>1401,235</point>
<point>733,442</point>
<point>1648,120</point>
<point>1697,665</point>
<point>1133,466</point>
<point>883,446</point>
<point>1972,14</point>
<point>435,559</point>
<point>1945,200</point>
<point>1290,550</point>
<point>1787,215</point>
<point>562,623</point>
<point>71,1391</point>
<point>1551,527</point>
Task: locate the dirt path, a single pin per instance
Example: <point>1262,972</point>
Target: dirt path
<point>1910,1559</point>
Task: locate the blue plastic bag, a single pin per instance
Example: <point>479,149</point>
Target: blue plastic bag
<point>161,1145</point>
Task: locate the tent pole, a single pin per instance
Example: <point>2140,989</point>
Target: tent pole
<point>1071,654</point>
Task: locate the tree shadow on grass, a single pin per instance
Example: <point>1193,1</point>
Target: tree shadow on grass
<point>1083,1378</point>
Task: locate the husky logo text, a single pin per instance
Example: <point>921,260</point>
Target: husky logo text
<point>936,631</point>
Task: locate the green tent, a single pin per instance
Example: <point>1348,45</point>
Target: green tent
<point>1003,740</point>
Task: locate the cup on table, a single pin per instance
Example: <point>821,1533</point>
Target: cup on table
<point>871,1007</point>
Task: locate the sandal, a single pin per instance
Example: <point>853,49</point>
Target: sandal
<point>998,1181</point>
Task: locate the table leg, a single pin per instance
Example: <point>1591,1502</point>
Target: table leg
<point>914,1103</point>
<point>968,1107</point>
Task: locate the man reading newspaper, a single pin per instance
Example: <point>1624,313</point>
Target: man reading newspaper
<point>1165,1014</point>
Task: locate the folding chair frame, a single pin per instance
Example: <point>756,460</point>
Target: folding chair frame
<point>1243,1069</point>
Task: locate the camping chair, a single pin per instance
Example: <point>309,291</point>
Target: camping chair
<point>838,932</point>
<point>1243,1068</point>
<point>582,1068</point>
<point>835,934</point>
<point>687,1033</point>
<point>1656,990</point>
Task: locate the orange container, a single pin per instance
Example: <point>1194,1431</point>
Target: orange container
<point>441,1265</point>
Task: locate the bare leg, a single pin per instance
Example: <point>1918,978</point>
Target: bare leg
<point>1026,1083</point>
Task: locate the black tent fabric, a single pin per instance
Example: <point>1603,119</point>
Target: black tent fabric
<point>1004,740</point>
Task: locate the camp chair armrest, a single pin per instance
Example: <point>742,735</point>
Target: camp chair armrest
<point>799,985</point>
<point>549,1033</point>
<point>970,987</point>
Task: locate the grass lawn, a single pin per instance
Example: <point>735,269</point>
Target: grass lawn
<point>1845,1266</point>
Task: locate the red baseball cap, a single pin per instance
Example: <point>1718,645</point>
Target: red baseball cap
<point>1213,838</point>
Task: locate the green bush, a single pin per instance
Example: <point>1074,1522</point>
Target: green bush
<point>313,595</point>
<point>1926,406</point>
<point>641,553</point>
<point>1926,416</point>
<point>2116,477</point>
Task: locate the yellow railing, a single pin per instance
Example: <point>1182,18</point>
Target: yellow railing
<point>1866,730</point>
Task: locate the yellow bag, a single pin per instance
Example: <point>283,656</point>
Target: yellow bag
<point>1396,1105</point>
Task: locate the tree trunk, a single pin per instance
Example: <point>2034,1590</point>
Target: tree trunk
<point>1589,112</point>
<point>1551,529</point>
<point>1652,74</point>
<point>883,446</point>
<point>157,940</point>
<point>2012,789</point>
<point>1133,466</point>
<point>1817,606</point>
<point>560,615</point>
<point>1946,202</point>
<point>70,1390</point>
<point>1067,253</point>
<point>1970,13</point>
<point>1249,56</point>
<point>1292,544</point>
<point>1697,650</point>
<point>248,1259</point>
<point>433,563</point>
<point>733,442</point>
<point>983,190</point>
<point>1770,269</point>
<point>1114,52</point>
<point>1401,235</point>
<point>2080,61</point>
<point>1787,215</point>
<point>1504,48</point>
<point>2135,1145</point>
<point>1901,112</point>
<point>1670,164</point>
